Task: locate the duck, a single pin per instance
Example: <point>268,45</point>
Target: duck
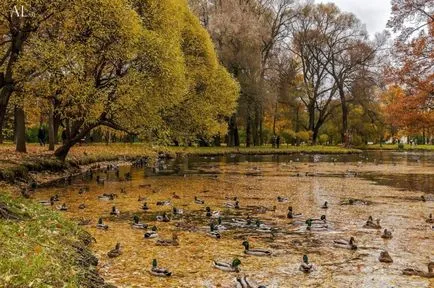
<point>385,257</point>
<point>101,225</point>
<point>235,205</point>
<point>282,199</point>
<point>145,207</point>
<point>49,202</point>
<point>115,252</point>
<point>260,227</point>
<point>107,197</point>
<point>163,218</point>
<point>136,223</point>
<point>255,252</point>
<point>177,211</point>
<point>219,225</point>
<point>169,242</point>
<point>341,243</point>
<point>317,227</point>
<point>82,206</point>
<point>100,180</point>
<point>63,207</point>
<point>198,201</point>
<point>305,266</point>
<point>387,234</point>
<point>325,205</point>
<point>158,271</point>
<point>214,233</point>
<point>115,211</point>
<point>228,267</point>
<point>412,271</point>
<point>430,219</point>
<point>291,215</point>
<point>242,222</point>
<point>140,199</point>
<point>321,220</point>
<point>55,198</point>
<point>83,222</point>
<point>212,214</point>
<point>163,203</point>
<point>245,283</point>
<point>370,223</point>
<point>151,233</point>
<point>174,196</point>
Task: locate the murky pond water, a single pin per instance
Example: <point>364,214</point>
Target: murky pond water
<point>307,181</point>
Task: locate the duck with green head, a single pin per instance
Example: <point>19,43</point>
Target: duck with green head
<point>314,226</point>
<point>305,266</point>
<point>228,267</point>
<point>255,252</point>
<point>151,233</point>
<point>158,271</point>
<point>101,225</point>
<point>136,223</point>
<point>214,233</point>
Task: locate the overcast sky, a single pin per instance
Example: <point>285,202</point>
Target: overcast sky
<point>373,13</point>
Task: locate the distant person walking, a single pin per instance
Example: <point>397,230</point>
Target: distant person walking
<point>41,136</point>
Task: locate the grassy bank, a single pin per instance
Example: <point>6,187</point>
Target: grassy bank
<point>407,147</point>
<point>39,248</point>
<point>15,166</point>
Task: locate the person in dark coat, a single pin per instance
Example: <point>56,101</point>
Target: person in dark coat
<point>41,136</point>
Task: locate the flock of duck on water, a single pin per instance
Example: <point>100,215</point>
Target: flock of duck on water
<point>216,228</point>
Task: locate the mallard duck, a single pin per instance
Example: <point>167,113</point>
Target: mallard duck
<point>242,222</point>
<point>101,225</point>
<point>235,205</point>
<point>47,202</point>
<point>291,215</point>
<point>233,267</point>
<point>151,233</point>
<point>83,222</point>
<point>346,244</point>
<point>140,199</point>
<point>145,207</point>
<point>282,199</point>
<point>115,211</point>
<point>412,271</point>
<point>100,180</point>
<point>256,252</point>
<point>115,252</point>
<point>245,283</point>
<point>214,233</point>
<point>430,219</point>
<point>387,234</point>
<point>305,266</point>
<point>219,225</point>
<point>163,218</point>
<point>177,211</point>
<point>321,220</point>
<point>325,205</point>
<point>107,197</point>
<point>136,223</point>
<point>157,271</point>
<point>212,214</point>
<point>82,206</point>
<point>260,227</point>
<point>198,201</point>
<point>317,227</point>
<point>385,257</point>
<point>63,207</point>
<point>163,203</point>
<point>371,225</point>
<point>169,242</point>
<point>174,196</point>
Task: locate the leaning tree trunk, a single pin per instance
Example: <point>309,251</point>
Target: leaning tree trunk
<point>51,136</point>
<point>20,130</point>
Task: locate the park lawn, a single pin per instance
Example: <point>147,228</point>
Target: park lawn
<point>36,248</point>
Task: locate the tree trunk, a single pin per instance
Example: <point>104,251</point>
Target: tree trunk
<point>233,137</point>
<point>51,134</point>
<point>56,124</point>
<point>20,129</point>
<point>63,150</point>
<point>344,132</point>
<point>5,94</point>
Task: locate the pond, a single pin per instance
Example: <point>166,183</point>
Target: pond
<point>384,185</point>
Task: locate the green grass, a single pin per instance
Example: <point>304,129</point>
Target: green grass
<point>395,147</point>
<point>36,251</point>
